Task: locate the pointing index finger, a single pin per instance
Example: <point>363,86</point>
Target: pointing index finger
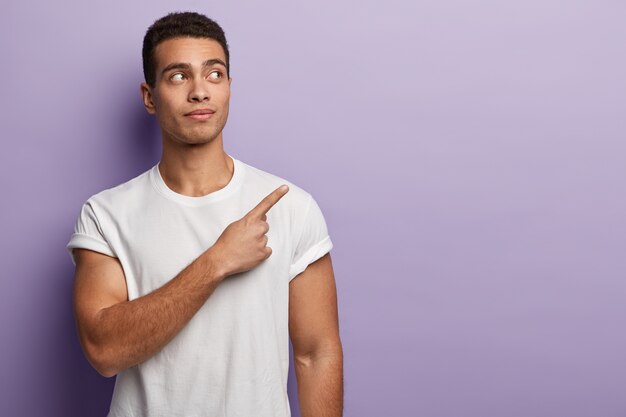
<point>269,201</point>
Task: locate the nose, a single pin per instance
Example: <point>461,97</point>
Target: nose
<point>199,91</point>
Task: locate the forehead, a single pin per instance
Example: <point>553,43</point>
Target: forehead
<point>187,50</point>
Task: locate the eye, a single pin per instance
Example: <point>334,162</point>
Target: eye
<point>215,75</point>
<point>178,74</point>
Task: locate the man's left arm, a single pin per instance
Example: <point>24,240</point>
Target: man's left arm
<point>314,332</point>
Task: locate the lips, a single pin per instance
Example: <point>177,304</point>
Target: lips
<point>200,112</point>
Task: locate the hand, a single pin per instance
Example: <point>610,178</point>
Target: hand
<point>242,245</point>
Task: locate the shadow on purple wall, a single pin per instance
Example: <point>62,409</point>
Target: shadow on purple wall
<point>82,390</point>
<point>138,138</point>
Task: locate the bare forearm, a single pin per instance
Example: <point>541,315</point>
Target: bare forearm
<point>320,385</point>
<point>130,332</point>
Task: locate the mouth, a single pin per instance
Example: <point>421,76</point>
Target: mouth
<point>201,114</point>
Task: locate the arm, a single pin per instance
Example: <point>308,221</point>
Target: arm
<point>314,331</point>
<point>116,333</point>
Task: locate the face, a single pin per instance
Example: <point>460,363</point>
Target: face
<point>190,77</point>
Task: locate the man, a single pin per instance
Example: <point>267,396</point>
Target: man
<point>191,277</point>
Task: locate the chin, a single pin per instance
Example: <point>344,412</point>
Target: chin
<point>200,139</point>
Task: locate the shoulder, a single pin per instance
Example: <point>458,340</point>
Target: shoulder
<point>123,195</point>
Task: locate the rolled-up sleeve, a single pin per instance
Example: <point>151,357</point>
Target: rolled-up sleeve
<point>88,233</point>
<point>313,241</point>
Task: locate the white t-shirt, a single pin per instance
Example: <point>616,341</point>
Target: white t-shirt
<point>232,357</point>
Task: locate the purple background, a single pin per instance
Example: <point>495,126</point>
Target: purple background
<point>470,159</point>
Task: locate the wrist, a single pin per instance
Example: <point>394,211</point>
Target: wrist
<point>214,264</point>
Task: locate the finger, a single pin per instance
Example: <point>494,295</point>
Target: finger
<point>268,202</point>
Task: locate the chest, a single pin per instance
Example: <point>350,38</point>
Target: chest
<point>155,245</point>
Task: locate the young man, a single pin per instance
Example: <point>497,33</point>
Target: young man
<point>191,277</point>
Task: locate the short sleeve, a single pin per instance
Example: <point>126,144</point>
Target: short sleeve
<point>313,241</point>
<point>88,234</point>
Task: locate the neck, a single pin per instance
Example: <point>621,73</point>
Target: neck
<point>195,170</point>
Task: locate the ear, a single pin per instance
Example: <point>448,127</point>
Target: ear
<point>146,95</point>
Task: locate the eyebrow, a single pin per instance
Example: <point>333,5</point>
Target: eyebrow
<point>184,65</point>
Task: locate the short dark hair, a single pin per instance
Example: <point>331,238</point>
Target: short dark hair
<point>176,25</point>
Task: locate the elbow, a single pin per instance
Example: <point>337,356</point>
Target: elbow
<point>99,352</point>
<point>105,371</point>
<point>104,367</point>
<point>101,361</point>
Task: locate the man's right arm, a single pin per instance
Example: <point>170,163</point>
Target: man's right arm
<point>116,333</point>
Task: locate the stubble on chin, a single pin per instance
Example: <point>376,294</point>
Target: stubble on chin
<point>196,138</point>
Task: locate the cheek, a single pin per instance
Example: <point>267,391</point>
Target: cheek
<point>223,94</point>
<point>168,98</point>
<point>225,100</point>
<point>167,109</point>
